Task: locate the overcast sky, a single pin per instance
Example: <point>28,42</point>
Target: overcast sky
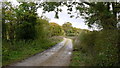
<point>63,17</point>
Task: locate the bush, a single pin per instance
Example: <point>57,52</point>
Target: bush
<point>106,48</point>
<point>100,46</point>
<point>87,40</point>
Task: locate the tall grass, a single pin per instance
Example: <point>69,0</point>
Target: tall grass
<point>19,50</point>
<point>99,47</point>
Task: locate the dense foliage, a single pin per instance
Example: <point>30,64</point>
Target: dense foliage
<point>24,33</point>
<point>98,47</point>
<point>56,30</point>
<point>103,15</point>
<point>70,30</point>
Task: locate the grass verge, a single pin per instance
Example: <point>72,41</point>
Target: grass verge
<point>19,50</point>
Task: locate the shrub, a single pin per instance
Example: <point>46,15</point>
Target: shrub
<point>100,46</point>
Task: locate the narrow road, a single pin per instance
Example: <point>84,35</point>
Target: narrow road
<point>59,55</point>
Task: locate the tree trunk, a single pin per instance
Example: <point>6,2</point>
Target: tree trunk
<point>4,35</point>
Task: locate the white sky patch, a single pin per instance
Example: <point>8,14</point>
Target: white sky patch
<point>64,17</point>
<point>13,2</point>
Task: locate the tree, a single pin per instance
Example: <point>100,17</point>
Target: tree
<point>95,13</point>
<point>8,23</point>
<point>76,31</point>
<point>41,27</point>
<point>67,27</point>
<point>100,13</point>
<point>19,21</point>
<point>55,29</point>
<point>69,30</point>
<point>26,20</point>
